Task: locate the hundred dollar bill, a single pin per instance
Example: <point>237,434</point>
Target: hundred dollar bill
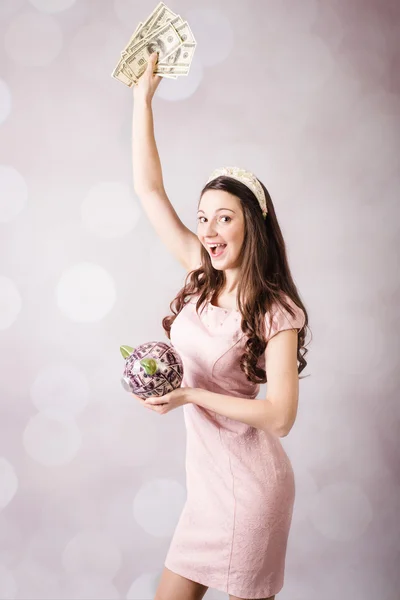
<point>136,40</point>
<point>184,31</point>
<point>163,70</point>
<point>181,57</point>
<point>122,72</point>
<point>163,41</point>
<point>162,15</point>
<point>120,75</point>
<point>134,35</point>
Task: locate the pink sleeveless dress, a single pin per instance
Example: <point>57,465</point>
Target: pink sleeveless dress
<point>233,531</point>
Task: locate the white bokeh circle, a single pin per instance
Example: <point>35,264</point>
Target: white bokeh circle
<point>109,209</point>
<point>5,101</point>
<point>52,6</point>
<point>85,293</point>
<point>33,39</point>
<point>52,438</point>
<point>10,302</point>
<point>61,386</point>
<point>36,580</point>
<point>8,482</point>
<point>213,33</point>
<point>182,87</point>
<point>13,193</point>
<point>87,587</point>
<point>158,505</point>
<point>90,553</point>
<point>341,511</point>
<point>102,423</point>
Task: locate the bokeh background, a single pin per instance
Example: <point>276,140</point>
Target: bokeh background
<point>304,94</point>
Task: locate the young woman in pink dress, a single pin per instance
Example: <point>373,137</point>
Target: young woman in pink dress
<point>238,318</point>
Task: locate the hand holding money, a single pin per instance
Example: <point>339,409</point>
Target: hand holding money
<point>163,32</point>
<point>148,82</point>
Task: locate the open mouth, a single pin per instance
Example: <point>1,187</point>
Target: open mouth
<point>217,251</point>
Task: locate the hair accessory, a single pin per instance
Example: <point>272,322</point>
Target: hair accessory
<point>248,179</point>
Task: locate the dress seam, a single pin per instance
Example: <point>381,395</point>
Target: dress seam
<point>234,517</point>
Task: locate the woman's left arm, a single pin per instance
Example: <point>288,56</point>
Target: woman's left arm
<point>261,414</point>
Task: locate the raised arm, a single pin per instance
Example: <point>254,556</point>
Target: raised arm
<point>148,180</point>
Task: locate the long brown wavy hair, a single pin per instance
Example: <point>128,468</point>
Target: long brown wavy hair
<point>264,279</point>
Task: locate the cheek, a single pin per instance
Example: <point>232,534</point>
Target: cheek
<point>236,235</point>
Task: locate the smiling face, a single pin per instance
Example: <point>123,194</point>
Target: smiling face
<point>220,220</point>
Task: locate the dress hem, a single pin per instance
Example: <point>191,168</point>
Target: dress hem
<point>221,588</point>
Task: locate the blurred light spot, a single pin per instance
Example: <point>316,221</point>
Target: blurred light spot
<point>33,40</point>
<point>60,386</point>
<point>35,581</point>
<point>213,34</point>
<point>102,423</point>
<point>85,293</point>
<point>92,553</point>
<point>13,193</point>
<point>52,438</point>
<point>88,587</point>
<point>182,87</point>
<point>52,6</point>
<point>109,210</point>
<point>157,506</point>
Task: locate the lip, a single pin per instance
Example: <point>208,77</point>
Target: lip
<point>217,257</point>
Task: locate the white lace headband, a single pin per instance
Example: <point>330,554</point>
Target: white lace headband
<point>248,179</point>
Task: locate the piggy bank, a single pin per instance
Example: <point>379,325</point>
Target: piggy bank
<point>152,369</point>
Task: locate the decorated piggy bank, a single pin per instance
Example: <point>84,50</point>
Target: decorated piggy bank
<point>152,369</point>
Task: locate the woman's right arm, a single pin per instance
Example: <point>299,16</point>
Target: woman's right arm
<point>148,179</point>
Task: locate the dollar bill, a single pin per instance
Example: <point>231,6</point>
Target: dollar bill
<point>164,70</point>
<point>181,57</point>
<point>136,40</point>
<point>159,17</point>
<point>120,75</point>
<point>166,33</point>
<point>134,34</point>
<point>162,14</point>
<point>185,32</point>
<point>163,40</point>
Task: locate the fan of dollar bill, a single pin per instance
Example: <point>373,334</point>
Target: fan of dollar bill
<point>163,32</point>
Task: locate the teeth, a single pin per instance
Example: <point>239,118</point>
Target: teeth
<point>215,245</point>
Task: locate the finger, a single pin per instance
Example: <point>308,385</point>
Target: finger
<point>152,61</point>
<point>156,403</point>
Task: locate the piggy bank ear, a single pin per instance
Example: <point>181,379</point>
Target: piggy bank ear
<point>126,351</point>
<point>149,365</point>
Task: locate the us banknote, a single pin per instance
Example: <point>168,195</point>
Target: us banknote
<point>163,32</point>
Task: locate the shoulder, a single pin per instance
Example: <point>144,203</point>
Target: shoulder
<point>279,318</point>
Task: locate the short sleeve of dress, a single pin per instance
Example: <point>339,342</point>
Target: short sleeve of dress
<point>281,319</point>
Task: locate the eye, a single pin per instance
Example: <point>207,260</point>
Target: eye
<point>222,217</point>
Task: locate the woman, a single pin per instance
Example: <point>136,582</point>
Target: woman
<point>238,317</point>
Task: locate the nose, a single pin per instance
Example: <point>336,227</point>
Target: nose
<point>209,229</point>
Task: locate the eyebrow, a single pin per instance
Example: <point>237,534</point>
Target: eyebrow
<point>218,209</point>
